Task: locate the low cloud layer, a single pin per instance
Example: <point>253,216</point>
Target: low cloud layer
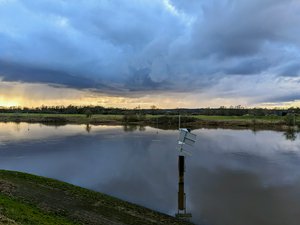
<point>136,47</point>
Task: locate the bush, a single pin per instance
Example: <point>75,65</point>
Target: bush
<point>289,119</point>
<point>88,113</point>
<point>129,118</point>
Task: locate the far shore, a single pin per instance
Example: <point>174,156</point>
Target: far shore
<point>159,121</point>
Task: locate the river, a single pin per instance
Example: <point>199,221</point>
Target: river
<point>232,177</point>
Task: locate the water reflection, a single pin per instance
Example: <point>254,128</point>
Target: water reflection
<point>88,128</point>
<point>26,131</point>
<point>233,176</point>
<point>290,134</point>
<point>133,127</point>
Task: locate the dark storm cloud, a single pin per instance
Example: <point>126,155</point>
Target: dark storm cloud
<point>15,72</point>
<point>140,80</point>
<point>247,66</point>
<point>174,45</point>
<point>291,69</point>
<point>285,98</point>
<point>242,28</point>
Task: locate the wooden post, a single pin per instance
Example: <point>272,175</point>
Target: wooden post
<point>181,194</point>
<point>182,214</point>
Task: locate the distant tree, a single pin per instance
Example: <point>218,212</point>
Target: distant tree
<point>153,109</point>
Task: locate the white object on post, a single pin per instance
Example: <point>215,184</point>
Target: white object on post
<point>186,137</point>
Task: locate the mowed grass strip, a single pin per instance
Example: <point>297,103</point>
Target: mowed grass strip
<point>60,118</point>
<point>247,118</point>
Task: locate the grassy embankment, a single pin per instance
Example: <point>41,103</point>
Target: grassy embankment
<point>33,200</point>
<point>195,121</point>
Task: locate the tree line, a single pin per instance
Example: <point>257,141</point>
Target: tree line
<point>91,110</point>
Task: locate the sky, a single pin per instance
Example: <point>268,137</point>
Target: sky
<point>167,53</point>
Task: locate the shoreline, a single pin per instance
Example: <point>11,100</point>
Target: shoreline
<point>157,121</point>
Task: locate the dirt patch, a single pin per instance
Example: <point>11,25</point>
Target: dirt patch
<point>6,187</point>
<point>6,221</point>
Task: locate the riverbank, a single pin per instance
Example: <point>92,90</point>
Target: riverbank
<point>161,121</point>
<point>33,200</point>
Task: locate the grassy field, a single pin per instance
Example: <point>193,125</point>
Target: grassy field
<point>33,200</point>
<point>195,121</point>
<point>248,118</point>
<point>60,118</point>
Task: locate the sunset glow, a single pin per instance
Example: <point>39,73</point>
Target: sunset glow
<point>9,103</point>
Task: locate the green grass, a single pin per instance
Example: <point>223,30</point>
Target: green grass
<point>28,199</point>
<point>22,213</point>
<point>241,118</point>
<point>77,116</point>
<point>59,118</point>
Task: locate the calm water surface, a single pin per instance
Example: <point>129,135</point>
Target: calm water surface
<point>233,177</point>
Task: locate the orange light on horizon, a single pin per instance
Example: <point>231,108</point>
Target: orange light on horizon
<point>13,94</point>
<point>8,103</point>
